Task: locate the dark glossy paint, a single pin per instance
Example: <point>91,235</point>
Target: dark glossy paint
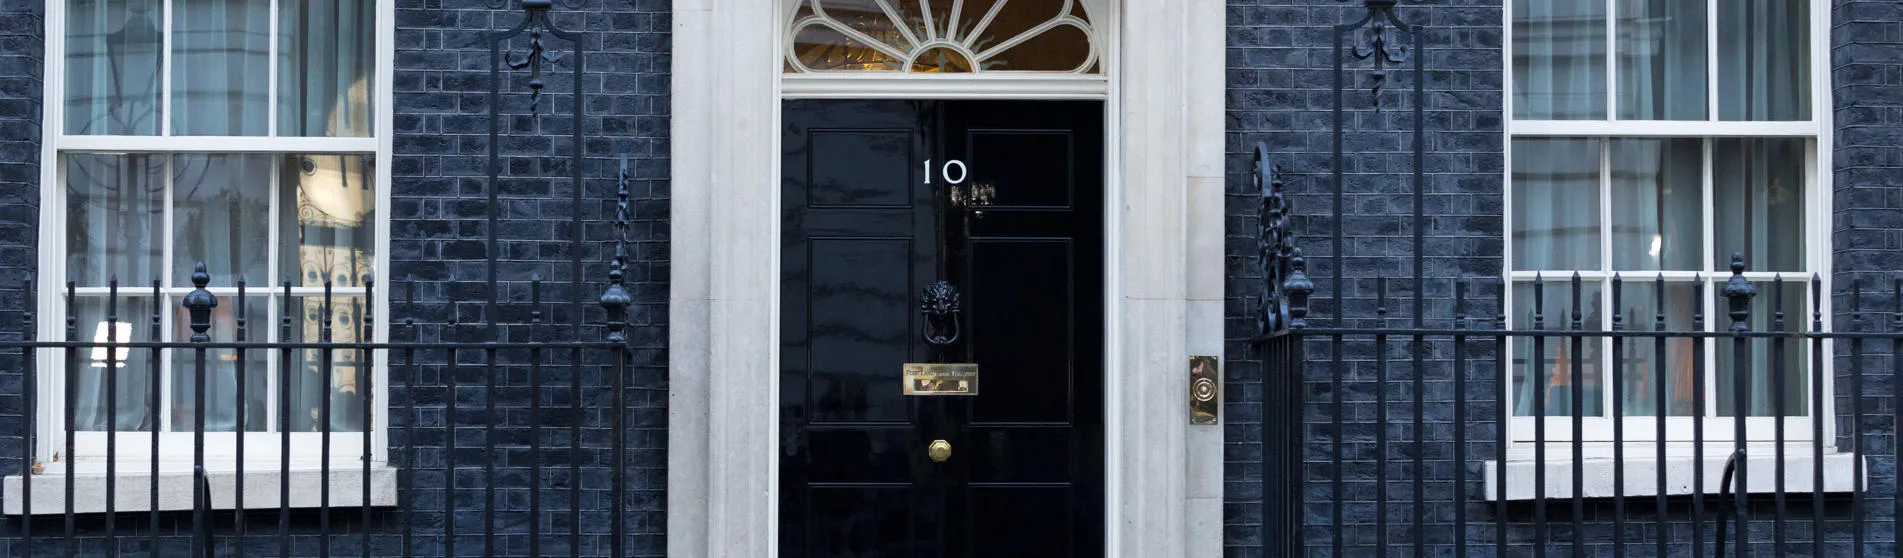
<point>862,234</point>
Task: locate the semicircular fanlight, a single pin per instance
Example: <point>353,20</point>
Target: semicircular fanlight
<point>940,36</point>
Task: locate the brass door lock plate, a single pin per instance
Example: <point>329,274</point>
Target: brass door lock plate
<point>1205,390</point>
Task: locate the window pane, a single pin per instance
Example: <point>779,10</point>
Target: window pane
<point>326,61</point>
<point>114,218</point>
<point>941,36</point>
<point>1764,60</point>
<point>112,67</point>
<point>1562,369</point>
<point>1559,60</point>
<point>1661,60</point>
<point>1657,204</point>
<point>221,368</point>
<point>328,220</point>
<point>1759,186</point>
<point>220,67</point>
<point>1556,204</point>
<point>132,371</point>
<point>1654,369</point>
<point>223,215</point>
<point>1761,389</point>
<point>821,46</point>
<point>307,381</point>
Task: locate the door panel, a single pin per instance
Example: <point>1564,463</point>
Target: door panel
<point>1024,521</point>
<point>1034,261</point>
<point>864,230</point>
<point>860,318</point>
<point>852,479</point>
<point>1032,168</point>
<point>857,167</point>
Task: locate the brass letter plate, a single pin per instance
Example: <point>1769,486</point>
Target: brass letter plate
<point>1205,391</point>
<point>941,379</point>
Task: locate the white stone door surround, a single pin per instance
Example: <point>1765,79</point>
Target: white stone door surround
<point>1164,273</point>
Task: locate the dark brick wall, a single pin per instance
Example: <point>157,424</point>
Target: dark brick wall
<point>1867,234</point>
<point>440,234</point>
<point>21,48</point>
<point>1280,63</point>
<point>1281,93</point>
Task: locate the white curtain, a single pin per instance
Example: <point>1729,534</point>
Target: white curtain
<point>1556,206</point>
<point>115,206</point>
<point>1661,49</point>
<point>1559,60</point>
<point>1764,60</point>
<point>220,67</point>
<point>112,67</point>
<point>326,56</point>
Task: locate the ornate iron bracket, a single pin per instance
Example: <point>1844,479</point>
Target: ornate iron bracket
<point>1379,40</point>
<point>537,21</point>
<point>939,304</point>
<point>1283,302</point>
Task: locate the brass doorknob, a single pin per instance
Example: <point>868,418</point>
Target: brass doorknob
<point>939,451</point>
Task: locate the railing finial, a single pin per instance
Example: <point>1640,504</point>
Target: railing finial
<point>616,299</point>
<point>1738,292</point>
<point>1298,288</point>
<point>199,303</point>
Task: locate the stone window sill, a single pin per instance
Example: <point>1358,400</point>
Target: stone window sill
<point>1641,475</point>
<point>261,488</point>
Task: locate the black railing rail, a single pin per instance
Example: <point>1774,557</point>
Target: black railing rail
<point>1381,410</point>
<point>1759,369</point>
<point>593,366</point>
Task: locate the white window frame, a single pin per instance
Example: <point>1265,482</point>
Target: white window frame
<point>1640,431</point>
<point>262,455</point>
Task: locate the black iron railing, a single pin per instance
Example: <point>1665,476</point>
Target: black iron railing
<point>509,456</point>
<point>433,446</point>
<point>1405,425</point>
<point>1397,372</point>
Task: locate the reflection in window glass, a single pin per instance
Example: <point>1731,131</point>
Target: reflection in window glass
<point>1769,361</point>
<point>1661,47</point>
<point>113,380</point>
<point>1657,371</point>
<point>1559,60</point>
<point>1764,69</point>
<point>220,67</point>
<point>344,387</point>
<point>113,61</point>
<point>1563,368</point>
<point>1657,204</point>
<point>114,218</point>
<point>326,55</point>
<point>941,36</point>
<point>222,206</point>
<point>1758,188</point>
<point>327,220</point>
<point>1556,204</point>
<point>221,370</point>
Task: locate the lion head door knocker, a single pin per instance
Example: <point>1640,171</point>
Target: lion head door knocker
<point>940,307</point>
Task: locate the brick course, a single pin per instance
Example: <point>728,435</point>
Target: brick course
<point>21,52</point>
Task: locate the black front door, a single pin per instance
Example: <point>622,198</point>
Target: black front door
<point>1003,200</point>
